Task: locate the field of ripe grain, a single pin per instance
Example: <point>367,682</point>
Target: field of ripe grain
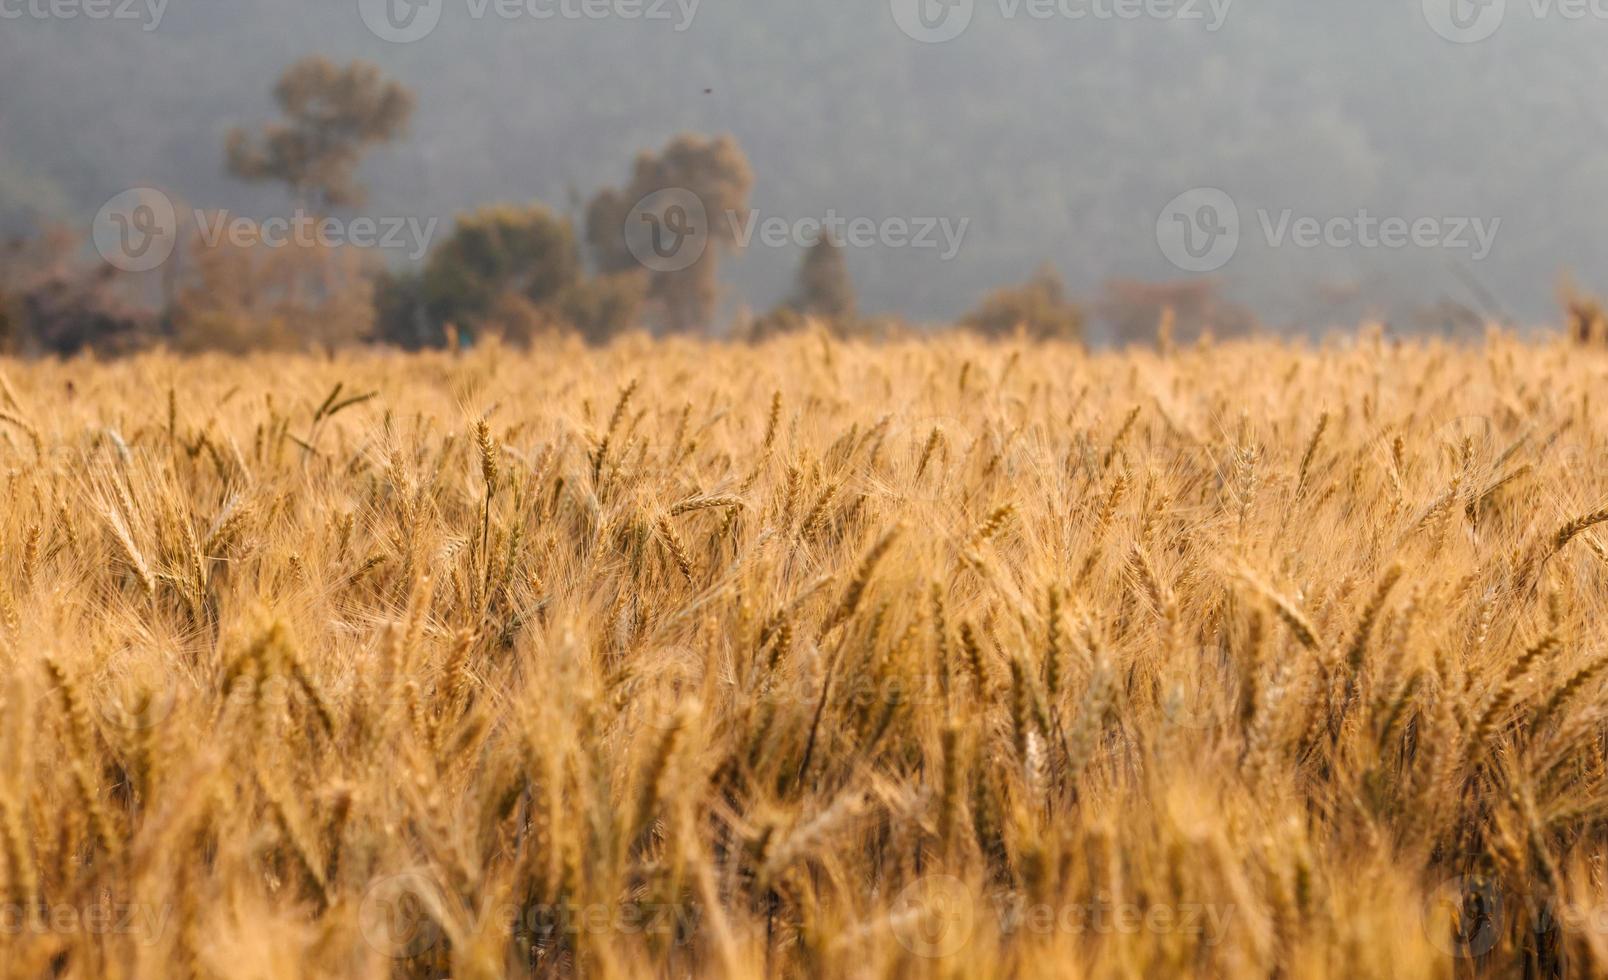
<point>922,659</point>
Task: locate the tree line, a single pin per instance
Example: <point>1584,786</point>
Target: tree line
<point>514,270</point>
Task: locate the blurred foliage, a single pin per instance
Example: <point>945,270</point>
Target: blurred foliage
<point>824,288</point>
<point>823,298</point>
<point>400,316</point>
<point>1584,315</point>
<point>237,297</point>
<point>1038,308</point>
<point>499,249</point>
<point>333,116</point>
<point>603,307</point>
<point>716,172</point>
<point>1184,310</point>
<point>512,271</point>
<point>835,107</point>
<point>52,302</point>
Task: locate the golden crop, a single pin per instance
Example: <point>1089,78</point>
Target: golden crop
<point>676,658</point>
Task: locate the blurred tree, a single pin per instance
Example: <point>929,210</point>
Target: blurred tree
<point>716,172</point>
<point>824,288</point>
<point>514,271</point>
<point>519,321</point>
<point>400,316</point>
<point>52,303</point>
<point>238,297</point>
<point>10,338</point>
<point>603,307</point>
<point>334,115</point>
<point>1188,308</point>
<point>596,310</point>
<point>823,296</point>
<point>499,249</point>
<point>1038,308</point>
<point>1586,319</point>
<point>1446,316</point>
<point>778,322</point>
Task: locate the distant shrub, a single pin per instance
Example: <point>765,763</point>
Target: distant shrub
<point>1448,317</point>
<point>400,316</point>
<point>1179,310</point>
<point>526,251</point>
<point>716,172</point>
<point>1038,308</point>
<point>515,320</point>
<point>1585,319</point>
<point>510,271</point>
<point>1587,323</point>
<point>777,323</point>
<point>52,303</point>
<point>824,287</point>
<point>823,297</point>
<point>244,297</point>
<point>604,307</point>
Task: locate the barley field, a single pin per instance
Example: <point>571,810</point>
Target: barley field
<point>943,658</point>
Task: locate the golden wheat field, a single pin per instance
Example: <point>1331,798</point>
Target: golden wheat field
<point>933,658</point>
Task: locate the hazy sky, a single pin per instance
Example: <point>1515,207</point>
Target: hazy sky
<point>1319,158</point>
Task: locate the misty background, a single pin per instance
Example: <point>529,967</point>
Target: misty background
<point>1059,141</point>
